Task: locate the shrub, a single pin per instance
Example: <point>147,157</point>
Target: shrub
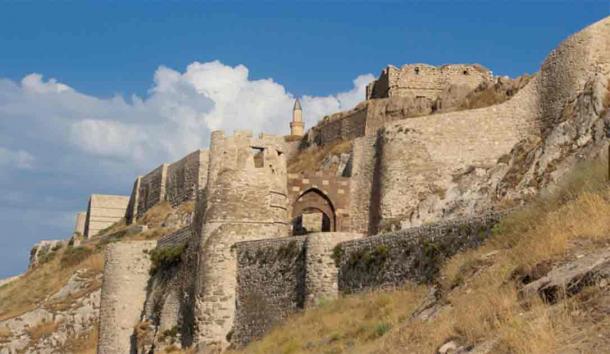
<point>166,257</point>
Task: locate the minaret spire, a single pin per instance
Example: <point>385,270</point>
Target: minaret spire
<point>297,126</point>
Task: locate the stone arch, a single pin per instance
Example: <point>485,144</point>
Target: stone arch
<point>314,200</point>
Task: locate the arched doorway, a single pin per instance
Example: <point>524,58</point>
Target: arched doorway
<point>313,212</point>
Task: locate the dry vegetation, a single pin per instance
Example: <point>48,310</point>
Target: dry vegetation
<point>480,290</point>
<point>42,329</point>
<point>310,159</point>
<point>29,291</point>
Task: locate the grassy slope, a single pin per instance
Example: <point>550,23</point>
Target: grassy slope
<point>480,288</point>
<point>35,286</point>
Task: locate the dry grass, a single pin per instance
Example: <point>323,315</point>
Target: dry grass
<point>310,159</point>
<point>42,329</point>
<point>29,291</point>
<point>481,288</point>
<point>340,325</point>
<point>155,216</point>
<point>85,343</point>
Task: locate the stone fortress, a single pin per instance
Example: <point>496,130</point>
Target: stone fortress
<point>265,242</point>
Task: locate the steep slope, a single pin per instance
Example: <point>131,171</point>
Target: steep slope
<point>54,307</point>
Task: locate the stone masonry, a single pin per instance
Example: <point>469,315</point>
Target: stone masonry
<point>176,183</point>
<point>123,293</point>
<point>103,211</point>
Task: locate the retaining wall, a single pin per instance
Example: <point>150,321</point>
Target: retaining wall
<point>413,254</point>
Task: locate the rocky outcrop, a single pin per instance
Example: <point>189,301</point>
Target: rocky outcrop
<point>62,319</point>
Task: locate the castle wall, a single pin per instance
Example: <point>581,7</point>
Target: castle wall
<point>176,183</point>
<point>414,254</point>
<point>420,156</point>
<point>103,211</point>
<point>123,294</point>
<point>270,285</point>
<point>151,189</point>
<point>422,80</point>
<point>278,277</point>
<point>186,176</point>
<point>362,185</point>
<point>246,200</point>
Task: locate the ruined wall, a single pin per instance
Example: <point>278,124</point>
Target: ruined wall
<point>277,277</point>
<point>414,254</point>
<point>246,200</point>
<point>177,237</point>
<point>423,80</point>
<point>340,126</point>
<point>103,211</point>
<point>123,294</point>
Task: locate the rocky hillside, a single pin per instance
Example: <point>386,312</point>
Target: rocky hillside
<point>54,307</point>
<point>539,285</point>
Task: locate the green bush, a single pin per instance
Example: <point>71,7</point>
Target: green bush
<point>166,257</point>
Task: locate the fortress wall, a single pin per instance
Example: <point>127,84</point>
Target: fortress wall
<point>423,80</point>
<point>103,211</point>
<point>178,237</point>
<point>152,189</point>
<point>414,254</point>
<point>246,200</point>
<point>123,294</point>
<point>342,126</point>
<point>568,67</point>
<point>362,184</point>
<point>320,269</point>
<point>131,213</point>
<point>270,285</point>
<point>278,277</point>
<point>186,176</point>
<point>420,155</point>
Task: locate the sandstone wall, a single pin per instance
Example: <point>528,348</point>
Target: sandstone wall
<point>123,294</point>
<point>414,254</point>
<point>103,211</point>
<point>363,185</point>
<point>176,183</point>
<point>246,200</point>
<point>422,80</point>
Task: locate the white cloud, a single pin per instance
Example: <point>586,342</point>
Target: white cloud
<point>20,159</point>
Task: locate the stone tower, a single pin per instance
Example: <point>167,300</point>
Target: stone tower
<point>297,127</point>
<point>246,200</point>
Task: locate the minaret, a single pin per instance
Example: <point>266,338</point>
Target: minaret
<point>297,126</point>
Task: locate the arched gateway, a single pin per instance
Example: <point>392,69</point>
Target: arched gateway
<point>318,203</point>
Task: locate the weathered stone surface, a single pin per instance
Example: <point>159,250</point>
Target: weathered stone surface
<point>73,310</point>
<point>277,277</point>
<point>42,251</point>
<point>570,278</point>
<point>103,211</point>
<point>414,254</point>
<point>126,274</point>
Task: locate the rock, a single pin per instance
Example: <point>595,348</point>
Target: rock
<point>569,279</point>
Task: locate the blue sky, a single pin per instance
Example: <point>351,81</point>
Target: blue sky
<point>94,93</point>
